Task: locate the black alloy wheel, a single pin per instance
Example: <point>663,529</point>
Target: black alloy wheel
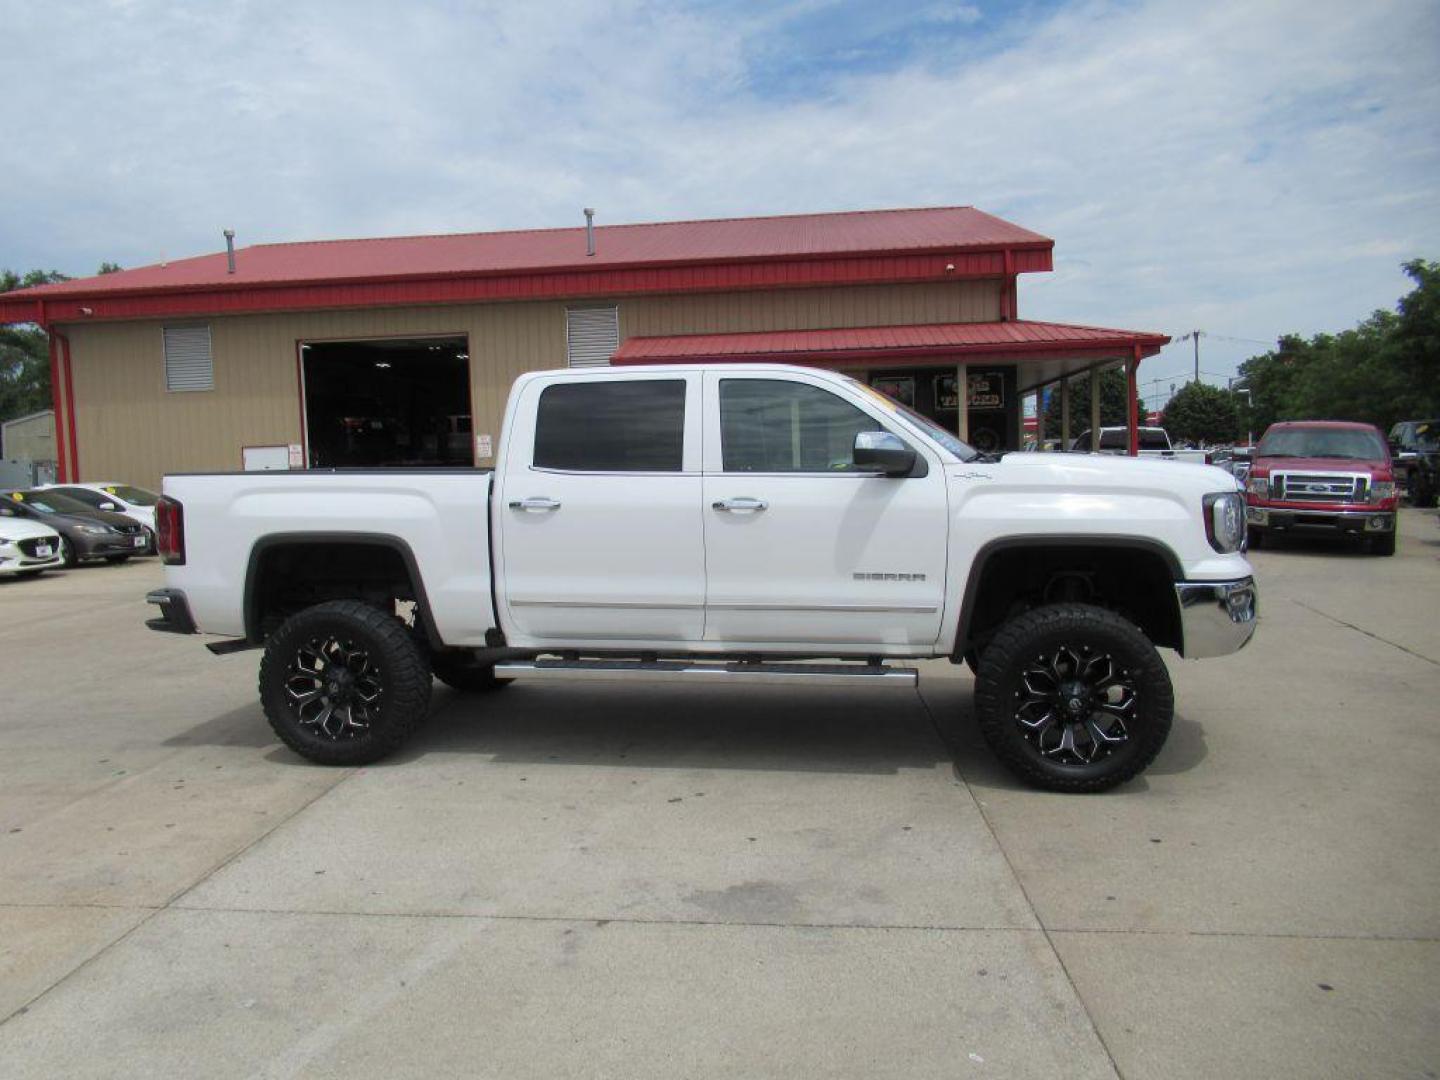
<point>1073,697</point>
<point>343,683</point>
<point>1073,703</point>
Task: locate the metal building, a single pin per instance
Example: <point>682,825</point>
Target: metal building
<point>400,351</point>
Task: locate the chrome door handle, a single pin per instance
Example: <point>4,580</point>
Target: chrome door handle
<point>741,505</point>
<point>535,504</point>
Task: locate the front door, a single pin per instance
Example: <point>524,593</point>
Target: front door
<point>597,511</point>
<point>800,547</point>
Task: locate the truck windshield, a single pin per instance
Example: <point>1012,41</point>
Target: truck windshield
<point>962,451</point>
<point>1352,444</point>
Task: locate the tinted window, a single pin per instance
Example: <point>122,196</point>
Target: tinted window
<point>1356,444</point>
<point>89,498</point>
<point>612,426</point>
<point>1113,440</point>
<point>768,425</point>
<point>141,497</point>
<point>1152,439</point>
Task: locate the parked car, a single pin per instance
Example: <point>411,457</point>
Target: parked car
<point>1322,476</point>
<point>720,526</point>
<point>1235,460</point>
<point>1154,442</point>
<point>124,499</point>
<point>1415,449</point>
<point>27,547</point>
<point>85,533</point>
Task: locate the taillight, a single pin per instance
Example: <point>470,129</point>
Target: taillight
<point>170,531</point>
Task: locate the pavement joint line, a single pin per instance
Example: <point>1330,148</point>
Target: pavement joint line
<point>1367,633</point>
<point>624,920</point>
<point>1020,884</point>
<point>155,911</point>
<point>1243,935</point>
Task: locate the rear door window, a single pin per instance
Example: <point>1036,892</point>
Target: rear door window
<point>614,425</point>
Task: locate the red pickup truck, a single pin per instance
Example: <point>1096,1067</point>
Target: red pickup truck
<point>1323,476</point>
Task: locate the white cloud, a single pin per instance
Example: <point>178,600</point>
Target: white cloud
<point>1245,168</point>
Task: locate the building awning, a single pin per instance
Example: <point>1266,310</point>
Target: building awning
<point>1042,352</point>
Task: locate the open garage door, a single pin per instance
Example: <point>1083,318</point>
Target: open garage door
<point>390,402</point>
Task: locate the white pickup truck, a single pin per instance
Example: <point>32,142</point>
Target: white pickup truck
<point>720,524</point>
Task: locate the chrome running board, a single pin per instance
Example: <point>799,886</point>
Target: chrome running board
<point>698,671</point>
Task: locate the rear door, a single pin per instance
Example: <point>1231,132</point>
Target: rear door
<point>597,511</point>
<point>800,547</point>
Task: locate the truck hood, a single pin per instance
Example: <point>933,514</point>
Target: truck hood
<point>24,529</point>
<point>1099,472</point>
<point>1318,464</point>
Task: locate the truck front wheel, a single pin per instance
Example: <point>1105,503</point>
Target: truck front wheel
<point>343,683</point>
<point>1072,697</point>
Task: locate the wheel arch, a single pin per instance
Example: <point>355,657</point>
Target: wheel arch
<point>265,549</point>
<point>976,618</point>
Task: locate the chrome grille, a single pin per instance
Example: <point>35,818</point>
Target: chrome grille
<point>1320,487</point>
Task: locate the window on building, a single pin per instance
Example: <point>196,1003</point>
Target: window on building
<point>188,364</point>
<point>771,426</point>
<point>635,425</point>
<point>592,334</point>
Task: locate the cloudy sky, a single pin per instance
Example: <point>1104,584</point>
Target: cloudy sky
<point>1247,168</point>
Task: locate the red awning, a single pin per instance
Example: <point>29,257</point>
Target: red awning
<point>1043,352</point>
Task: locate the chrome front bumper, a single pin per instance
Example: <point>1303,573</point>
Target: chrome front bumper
<point>1216,617</point>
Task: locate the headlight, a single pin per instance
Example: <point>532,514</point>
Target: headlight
<point>1382,490</point>
<point>1258,485</point>
<point>95,530</point>
<point>1225,521</point>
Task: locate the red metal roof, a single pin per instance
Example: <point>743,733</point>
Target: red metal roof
<point>288,274</point>
<point>989,339</point>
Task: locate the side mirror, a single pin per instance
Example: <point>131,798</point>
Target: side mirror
<point>108,506</point>
<point>879,451</point>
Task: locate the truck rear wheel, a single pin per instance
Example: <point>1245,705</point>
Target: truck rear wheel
<point>460,671</point>
<point>343,683</point>
<point>1072,697</point>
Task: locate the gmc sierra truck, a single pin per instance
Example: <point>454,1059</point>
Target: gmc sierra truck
<point>725,524</point>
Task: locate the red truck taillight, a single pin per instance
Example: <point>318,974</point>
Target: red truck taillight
<point>170,531</point>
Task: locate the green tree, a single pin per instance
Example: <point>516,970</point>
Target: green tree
<point>1386,369</point>
<point>10,280</point>
<point>109,268</point>
<point>1112,404</point>
<point>1201,414</point>
<point>24,353</point>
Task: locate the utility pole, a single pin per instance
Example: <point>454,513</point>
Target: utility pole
<point>1196,335</point>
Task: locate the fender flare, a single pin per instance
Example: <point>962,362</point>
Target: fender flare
<point>384,540</point>
<point>1049,540</point>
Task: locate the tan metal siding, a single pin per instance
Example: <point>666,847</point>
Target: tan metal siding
<point>131,429</point>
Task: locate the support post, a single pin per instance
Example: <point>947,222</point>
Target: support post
<point>1065,413</point>
<point>1132,411</point>
<point>962,397</point>
<point>62,472</point>
<point>1095,410</point>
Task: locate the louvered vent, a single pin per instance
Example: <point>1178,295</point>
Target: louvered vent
<point>188,365</point>
<point>592,334</point>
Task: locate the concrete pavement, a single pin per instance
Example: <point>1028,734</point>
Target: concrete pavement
<point>573,881</point>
